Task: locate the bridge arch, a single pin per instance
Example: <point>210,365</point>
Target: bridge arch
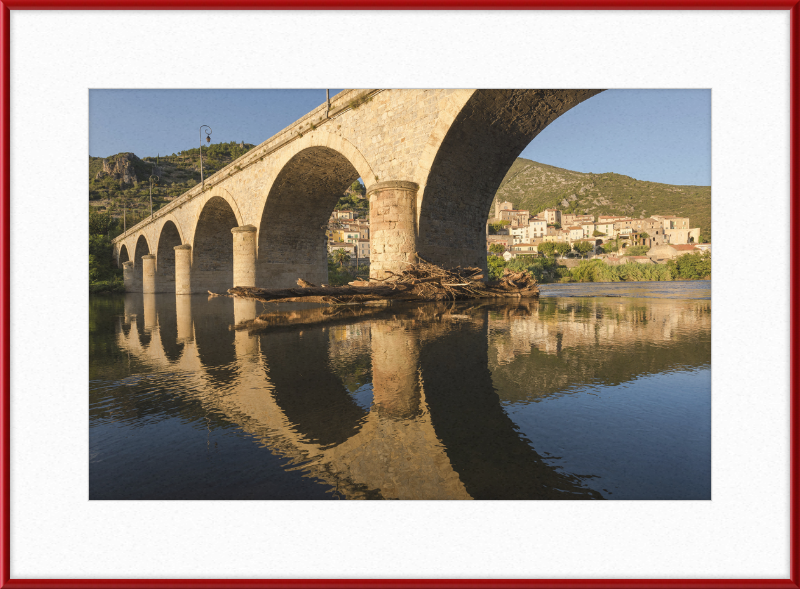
<point>466,158</point>
<point>122,256</point>
<point>142,249</point>
<point>168,237</point>
<point>212,247</point>
<point>309,181</point>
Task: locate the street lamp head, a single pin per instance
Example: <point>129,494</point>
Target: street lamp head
<point>208,139</point>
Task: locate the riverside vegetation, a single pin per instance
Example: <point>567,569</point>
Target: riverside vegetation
<point>695,266</point>
<point>104,276</point>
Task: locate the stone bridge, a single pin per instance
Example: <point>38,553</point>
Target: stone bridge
<point>431,161</point>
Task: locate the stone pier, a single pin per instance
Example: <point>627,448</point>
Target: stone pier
<point>395,381</point>
<point>244,256</point>
<point>183,309</point>
<point>392,211</point>
<point>129,278</point>
<point>183,269</point>
<point>149,274</point>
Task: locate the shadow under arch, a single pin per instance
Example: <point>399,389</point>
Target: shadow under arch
<point>165,257</point>
<point>482,442</point>
<point>212,251</point>
<point>215,342</point>
<point>134,306</point>
<point>123,256</point>
<point>142,249</point>
<point>481,144</point>
<point>291,237</point>
<point>311,396</point>
<point>168,327</point>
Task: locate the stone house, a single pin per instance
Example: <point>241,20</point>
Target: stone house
<point>639,260</point>
<point>669,251</point>
<point>682,236</point>
<point>572,219</point>
<point>501,206</point>
<point>504,240</point>
<point>346,236</point>
<point>538,227</point>
<point>525,248</point>
<point>551,216</point>
<point>363,248</point>
<point>672,222</point>
<point>350,248</point>
<point>606,228</point>
<point>517,218</point>
<point>574,233</point>
<point>519,234</point>
<point>346,214</point>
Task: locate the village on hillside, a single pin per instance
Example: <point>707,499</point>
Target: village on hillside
<point>657,239</point>
<point>511,233</point>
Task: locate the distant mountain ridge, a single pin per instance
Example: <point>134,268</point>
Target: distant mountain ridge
<point>535,187</point>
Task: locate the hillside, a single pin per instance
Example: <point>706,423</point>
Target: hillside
<point>535,187</point>
<point>124,177</point>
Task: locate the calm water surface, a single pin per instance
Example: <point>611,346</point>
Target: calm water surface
<point>595,391</point>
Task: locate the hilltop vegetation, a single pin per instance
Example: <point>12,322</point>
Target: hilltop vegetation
<point>535,187</point>
<point>125,177</point>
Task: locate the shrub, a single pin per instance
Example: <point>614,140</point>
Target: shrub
<point>496,266</point>
<point>637,250</point>
<point>595,271</point>
<point>691,266</point>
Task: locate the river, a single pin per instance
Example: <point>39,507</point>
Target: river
<point>594,391</point>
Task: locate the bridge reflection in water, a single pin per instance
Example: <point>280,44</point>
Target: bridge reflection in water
<point>387,403</point>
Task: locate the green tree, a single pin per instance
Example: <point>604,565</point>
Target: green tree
<point>357,188</point>
<point>597,233</point>
<point>556,225</point>
<point>496,266</point>
<point>99,223</point>
<point>582,247</point>
<point>495,227</point>
<point>562,249</point>
<point>340,257</point>
<point>637,250</point>
<point>610,247</point>
<point>548,248</point>
<point>691,266</point>
<point>497,248</point>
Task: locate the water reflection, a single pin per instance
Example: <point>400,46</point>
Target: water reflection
<point>417,403</point>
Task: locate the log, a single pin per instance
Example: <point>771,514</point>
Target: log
<point>421,282</point>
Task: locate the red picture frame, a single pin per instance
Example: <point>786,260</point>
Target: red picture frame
<point>5,538</point>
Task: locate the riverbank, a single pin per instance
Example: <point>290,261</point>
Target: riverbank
<point>549,271</point>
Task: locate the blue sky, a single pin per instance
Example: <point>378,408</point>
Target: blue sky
<point>656,135</point>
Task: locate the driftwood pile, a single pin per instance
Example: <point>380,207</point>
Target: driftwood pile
<point>422,281</point>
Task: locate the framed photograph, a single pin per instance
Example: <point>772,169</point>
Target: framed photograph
<point>489,280</point>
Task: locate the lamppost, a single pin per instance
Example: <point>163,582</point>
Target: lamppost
<point>152,177</point>
<point>208,139</point>
<point>124,204</point>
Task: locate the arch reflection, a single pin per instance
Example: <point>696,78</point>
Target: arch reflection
<point>406,404</point>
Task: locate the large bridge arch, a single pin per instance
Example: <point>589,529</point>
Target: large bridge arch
<point>309,180</point>
<point>466,158</point>
<point>212,247</point>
